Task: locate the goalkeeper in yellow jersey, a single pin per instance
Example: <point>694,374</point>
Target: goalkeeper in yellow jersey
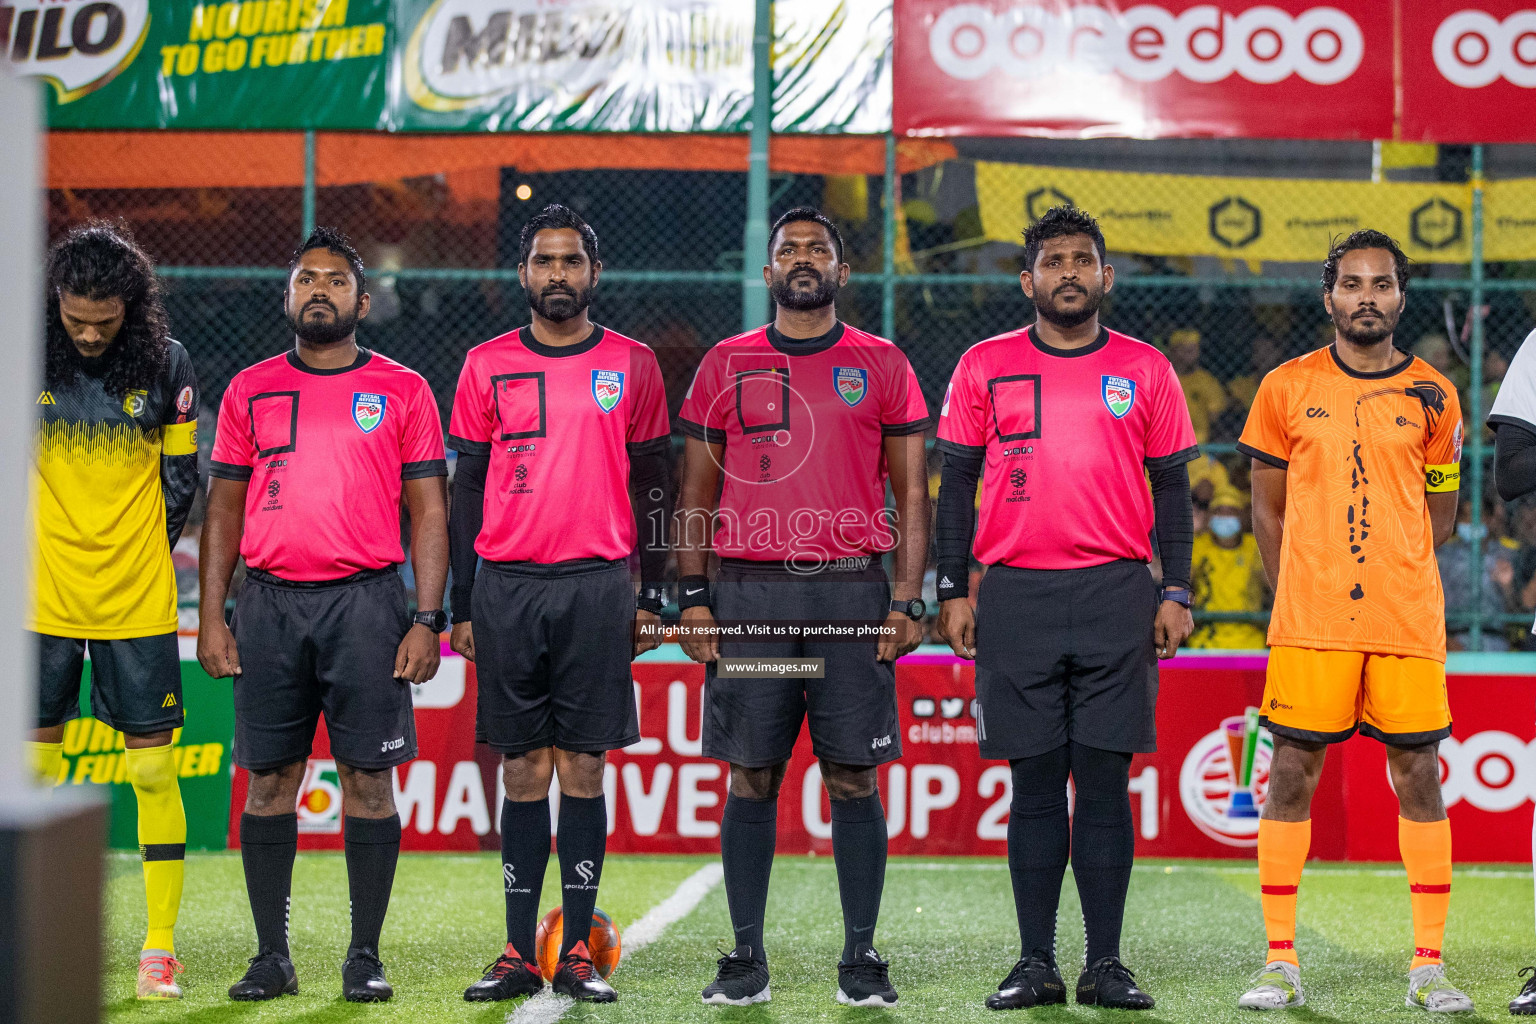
<point>114,475</point>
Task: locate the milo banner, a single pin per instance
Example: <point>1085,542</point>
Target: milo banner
<point>488,65</point>
<point>1258,218</point>
<point>1200,795</point>
<point>639,65</point>
<point>177,64</point>
<point>93,756</point>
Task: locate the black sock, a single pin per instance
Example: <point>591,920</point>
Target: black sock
<point>373,849</point>
<point>524,856</point>
<point>1103,844</point>
<point>748,833</point>
<point>858,848</point>
<point>267,846</point>
<point>1037,846</point>
<point>581,841</point>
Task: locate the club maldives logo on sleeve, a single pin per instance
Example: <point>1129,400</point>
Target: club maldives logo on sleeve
<point>1119,395</point>
<point>607,388</point>
<point>852,383</point>
<point>367,410</point>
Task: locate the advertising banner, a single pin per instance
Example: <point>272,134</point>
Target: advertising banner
<point>253,64</point>
<point>1065,69</point>
<point>1252,218</point>
<point>1198,796</point>
<point>639,65</point>
<point>460,65</point>
<point>1469,70</point>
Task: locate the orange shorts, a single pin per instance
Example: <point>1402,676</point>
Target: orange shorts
<point>1324,696</point>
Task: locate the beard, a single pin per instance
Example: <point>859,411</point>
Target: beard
<point>323,332</point>
<point>1352,331</point>
<point>787,296</point>
<point>558,305</point>
<point>1069,318</point>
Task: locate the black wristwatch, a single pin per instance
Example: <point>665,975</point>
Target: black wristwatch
<point>1178,595</point>
<point>651,599</point>
<point>436,620</point>
<point>913,609</point>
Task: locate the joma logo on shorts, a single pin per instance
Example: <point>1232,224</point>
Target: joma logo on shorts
<point>880,741</point>
<point>389,745</point>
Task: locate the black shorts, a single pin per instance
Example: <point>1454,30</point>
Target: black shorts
<point>312,647</point>
<point>135,683</point>
<point>1066,654</point>
<point>553,644</point>
<point>754,722</point>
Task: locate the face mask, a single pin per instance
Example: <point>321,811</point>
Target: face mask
<point>1464,531</point>
<point>1226,527</point>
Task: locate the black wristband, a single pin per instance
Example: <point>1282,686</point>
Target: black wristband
<point>952,584</point>
<point>693,592</point>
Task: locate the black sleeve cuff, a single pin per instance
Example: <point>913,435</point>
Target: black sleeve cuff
<point>905,429</point>
<point>655,446</point>
<point>417,470</point>
<point>229,471</point>
<point>1178,458</point>
<point>1495,420</point>
<point>1265,457</point>
<point>699,432</point>
<point>466,447</point>
<point>965,451</point>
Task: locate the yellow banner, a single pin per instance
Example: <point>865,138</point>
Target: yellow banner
<point>1283,219</point>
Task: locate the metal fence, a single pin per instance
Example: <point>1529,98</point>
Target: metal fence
<point>442,254</point>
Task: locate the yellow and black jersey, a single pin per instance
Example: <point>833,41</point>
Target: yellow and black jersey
<point>112,481</point>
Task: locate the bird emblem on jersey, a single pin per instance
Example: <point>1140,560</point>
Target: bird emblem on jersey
<point>367,411</point>
<point>607,388</point>
<point>1119,395</point>
<point>852,383</point>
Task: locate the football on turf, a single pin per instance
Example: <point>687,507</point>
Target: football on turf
<point>603,941</point>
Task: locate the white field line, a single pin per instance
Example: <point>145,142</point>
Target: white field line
<point>546,1007</point>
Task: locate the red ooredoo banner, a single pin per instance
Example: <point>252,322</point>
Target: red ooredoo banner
<point>1059,68</point>
<point>1198,796</point>
<point>1469,70</point>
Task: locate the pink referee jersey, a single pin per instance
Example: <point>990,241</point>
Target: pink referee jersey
<point>1066,435</point>
<point>803,424</point>
<point>559,424</point>
<point>324,452</point>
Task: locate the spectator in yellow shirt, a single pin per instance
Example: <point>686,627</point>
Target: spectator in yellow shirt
<point>1204,394</point>
<point>1228,576</point>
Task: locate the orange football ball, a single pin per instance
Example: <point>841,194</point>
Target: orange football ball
<point>603,941</point>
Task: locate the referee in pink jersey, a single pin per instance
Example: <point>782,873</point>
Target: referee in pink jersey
<point>1068,420</point>
<point>564,469</point>
<point>794,430</point>
<point>315,450</point>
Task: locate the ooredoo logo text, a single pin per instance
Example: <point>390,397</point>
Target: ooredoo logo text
<point>1147,43</point>
<point>1473,49</point>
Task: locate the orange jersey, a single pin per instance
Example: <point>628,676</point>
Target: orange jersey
<point>1357,556</point>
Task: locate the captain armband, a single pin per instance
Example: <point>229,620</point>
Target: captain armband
<point>179,439</point>
<point>1438,479</point>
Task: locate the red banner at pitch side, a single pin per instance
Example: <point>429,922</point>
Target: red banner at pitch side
<point>1469,70</point>
<point>1198,796</point>
<point>1236,68</point>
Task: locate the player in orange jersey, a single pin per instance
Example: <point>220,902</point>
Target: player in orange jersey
<point>1356,454</point>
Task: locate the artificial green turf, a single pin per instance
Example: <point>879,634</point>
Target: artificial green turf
<point>1193,935</point>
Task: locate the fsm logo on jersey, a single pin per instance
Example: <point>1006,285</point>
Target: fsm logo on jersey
<point>852,383</point>
<point>1119,395</point>
<point>1224,779</point>
<point>607,388</point>
<point>367,411</point>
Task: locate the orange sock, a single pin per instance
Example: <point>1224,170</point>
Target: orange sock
<point>1426,849</point>
<point>1283,849</point>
